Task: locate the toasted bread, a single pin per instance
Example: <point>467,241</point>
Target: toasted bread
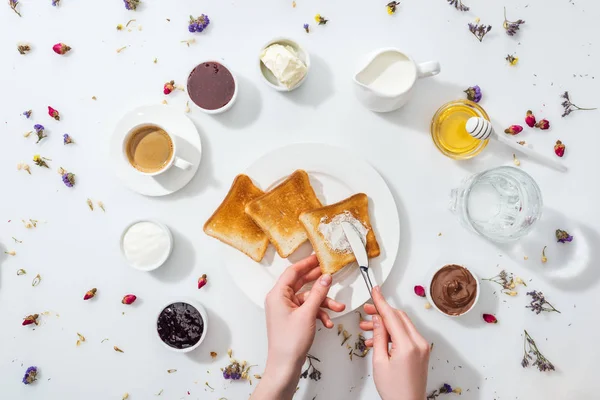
<point>232,226</point>
<point>331,260</point>
<point>277,211</point>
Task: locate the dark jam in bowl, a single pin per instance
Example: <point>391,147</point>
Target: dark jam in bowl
<point>210,85</point>
<point>180,325</point>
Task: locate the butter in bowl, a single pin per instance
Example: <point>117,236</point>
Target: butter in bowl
<point>284,64</point>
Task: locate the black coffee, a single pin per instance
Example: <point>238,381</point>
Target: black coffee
<point>180,325</point>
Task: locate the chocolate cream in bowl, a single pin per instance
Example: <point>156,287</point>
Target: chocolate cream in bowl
<point>453,289</point>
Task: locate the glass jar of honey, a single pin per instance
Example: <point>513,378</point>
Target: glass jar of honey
<point>449,133</point>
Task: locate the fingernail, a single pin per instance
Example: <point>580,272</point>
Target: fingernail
<point>376,322</point>
<point>325,280</point>
<point>377,289</point>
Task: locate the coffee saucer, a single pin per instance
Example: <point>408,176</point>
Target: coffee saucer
<point>188,145</point>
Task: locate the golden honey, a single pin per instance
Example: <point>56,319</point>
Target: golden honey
<point>448,129</point>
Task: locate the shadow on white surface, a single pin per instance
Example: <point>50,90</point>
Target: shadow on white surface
<point>218,337</point>
<point>318,86</point>
<point>487,304</point>
<point>181,262</point>
<point>571,266</point>
<point>246,109</point>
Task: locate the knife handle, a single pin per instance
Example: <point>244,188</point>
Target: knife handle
<point>364,271</point>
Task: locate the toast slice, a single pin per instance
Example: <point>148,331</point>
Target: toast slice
<point>332,258</point>
<point>277,212</point>
<point>232,226</point>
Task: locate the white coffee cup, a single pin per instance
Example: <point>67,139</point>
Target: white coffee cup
<point>174,161</point>
<point>385,83</point>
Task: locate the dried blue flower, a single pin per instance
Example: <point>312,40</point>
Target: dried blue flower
<point>306,28</point>
<point>13,5</point>
<point>67,139</point>
<point>311,372</point>
<point>458,4</point>
<point>479,30</point>
<point>510,26</point>
<point>27,113</point>
<point>541,362</point>
<point>563,236</point>
<point>68,179</point>
<point>131,4</point>
<point>30,375</point>
<point>538,301</point>
<point>198,24</point>
<point>55,2</point>
<point>570,107</point>
<point>474,93</point>
<point>39,131</point>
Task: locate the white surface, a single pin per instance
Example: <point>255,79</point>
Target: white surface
<point>335,174</point>
<point>187,147</point>
<point>146,245</point>
<point>75,249</point>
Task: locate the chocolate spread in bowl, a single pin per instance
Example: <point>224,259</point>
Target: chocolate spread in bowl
<point>180,325</point>
<point>453,289</point>
<point>210,85</point>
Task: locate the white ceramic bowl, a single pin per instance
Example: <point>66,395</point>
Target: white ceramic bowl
<point>268,76</point>
<point>428,290</point>
<point>158,262</point>
<point>203,314</point>
<point>235,92</point>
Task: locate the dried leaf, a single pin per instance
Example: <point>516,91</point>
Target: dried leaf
<point>346,336</point>
<point>90,204</point>
<point>26,134</point>
<point>81,337</point>
<point>11,253</point>
<point>104,340</point>
<point>340,329</point>
<point>170,371</point>
<point>121,49</point>
<point>101,205</point>
<point>21,272</point>
<point>36,281</point>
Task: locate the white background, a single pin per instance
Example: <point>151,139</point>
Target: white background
<point>74,249</point>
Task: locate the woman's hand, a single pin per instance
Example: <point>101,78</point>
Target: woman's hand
<point>399,370</point>
<point>291,326</point>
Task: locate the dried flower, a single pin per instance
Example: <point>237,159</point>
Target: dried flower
<point>543,124</point>
<point>233,371</point>
<point>53,113</point>
<point>346,337</point>
<point>512,60</point>
<point>563,236</point>
<point>189,41</point>
<point>229,353</point>
<point>125,396</point>
<point>391,7</point>
<point>30,375</point>
<point>55,2</point>
<point>516,160</point>
<point>11,253</point>
<point>118,350</point>
<point>520,281</point>
<point>27,113</point>
<point>40,132</point>
<point>168,87</point>
<point>311,372</point>
<point>427,305</point>
<point>570,107</point>
<point>120,27</point>
<point>321,20</point>
<point>170,371</point>
<point>510,26</point>
<point>198,24</point>
<point>31,319</point>
<point>530,119</point>
<point>514,130</point>
<point>490,319</point>
<point>522,143</point>
<point>81,338</point>
<point>479,30</point>
<point>306,28</point>
<point>360,348</point>
<point>101,205</point>
<point>444,389</point>
<point>538,300</point>
<point>13,5</point>
<point>202,281</point>
<point>544,258</point>
<point>458,4</point>
<point>23,49</point>
<point>68,179</point>
<point>129,299</point>
<point>213,355</point>
<point>131,4</point>
<point>529,349</point>
<point>120,49</point>
<point>67,139</point>
<point>90,204</point>
<point>474,93</point>
<point>36,281</point>
<point>90,293</point>
<point>559,148</point>
<point>504,279</point>
<point>40,161</point>
<point>419,291</point>
<point>61,48</point>
<point>511,293</point>
<point>21,272</point>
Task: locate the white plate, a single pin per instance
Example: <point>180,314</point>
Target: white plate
<point>187,143</point>
<point>335,174</point>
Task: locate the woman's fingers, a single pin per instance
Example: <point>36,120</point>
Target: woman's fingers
<point>412,330</point>
<point>370,309</point>
<point>310,276</point>
<point>293,273</point>
<point>327,303</point>
<point>324,317</point>
<point>392,322</point>
<point>381,339</point>
<point>366,325</point>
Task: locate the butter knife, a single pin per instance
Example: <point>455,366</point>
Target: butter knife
<point>360,252</point>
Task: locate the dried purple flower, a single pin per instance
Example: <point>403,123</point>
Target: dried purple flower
<point>39,131</point>
<point>13,5</point>
<point>563,236</point>
<point>538,300</point>
<point>131,4</point>
<point>67,139</point>
<point>570,107</point>
<point>444,389</point>
<point>68,179</point>
<point>30,375</point>
<point>198,24</point>
<point>306,28</point>
<point>529,348</point>
<point>458,4</point>
<point>474,93</point>
<point>55,2</point>
<point>27,113</point>
<point>311,372</point>
<point>479,30</point>
<point>510,26</point>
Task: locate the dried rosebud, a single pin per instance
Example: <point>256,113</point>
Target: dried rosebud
<point>53,113</point>
<point>530,119</point>
<point>514,130</point>
<point>61,48</point>
<point>543,124</point>
<point>420,291</point>
<point>169,87</point>
<point>559,148</point>
<point>129,299</point>
<point>563,236</point>
<point>90,293</point>
<point>202,281</point>
<point>490,319</point>
<point>30,319</point>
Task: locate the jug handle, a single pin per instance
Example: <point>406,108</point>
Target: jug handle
<point>429,68</point>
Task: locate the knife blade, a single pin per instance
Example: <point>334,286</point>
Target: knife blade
<point>360,252</point>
